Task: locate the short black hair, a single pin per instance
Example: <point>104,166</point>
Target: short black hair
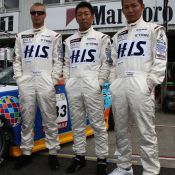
<point>140,1</point>
<point>84,4</point>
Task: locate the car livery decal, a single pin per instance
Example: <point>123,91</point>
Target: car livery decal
<point>9,109</point>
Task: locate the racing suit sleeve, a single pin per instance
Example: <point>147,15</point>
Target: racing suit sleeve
<point>66,65</point>
<point>113,75</point>
<point>106,60</point>
<point>157,71</point>
<point>57,59</point>
<point>17,63</point>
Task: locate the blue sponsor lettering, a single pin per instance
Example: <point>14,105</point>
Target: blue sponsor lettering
<point>45,53</point>
<point>84,56</point>
<point>75,56</point>
<point>121,50</point>
<point>90,53</point>
<point>28,51</point>
<point>139,47</point>
<point>131,49</point>
<point>40,51</point>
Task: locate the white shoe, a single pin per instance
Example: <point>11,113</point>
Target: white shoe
<point>120,171</point>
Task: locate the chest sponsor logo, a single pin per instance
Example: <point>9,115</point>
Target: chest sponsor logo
<point>28,40</point>
<point>48,41</point>
<point>141,29</point>
<point>31,51</point>
<point>123,35</point>
<point>83,56</point>
<point>132,49</point>
<point>91,44</point>
<point>142,35</point>
<point>91,39</point>
<point>75,43</point>
<point>75,40</point>
<point>45,36</point>
<point>27,36</point>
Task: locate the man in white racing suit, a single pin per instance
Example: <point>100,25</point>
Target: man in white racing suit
<point>37,69</point>
<point>139,53</point>
<point>86,67</point>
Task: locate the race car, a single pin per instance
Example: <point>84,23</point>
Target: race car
<point>10,117</point>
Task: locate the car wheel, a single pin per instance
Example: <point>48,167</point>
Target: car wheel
<point>4,140</point>
<point>111,121</point>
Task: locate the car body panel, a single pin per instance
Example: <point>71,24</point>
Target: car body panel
<point>10,110</point>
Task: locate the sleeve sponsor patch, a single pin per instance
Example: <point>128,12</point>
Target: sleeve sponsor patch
<point>161,49</point>
<point>108,55</point>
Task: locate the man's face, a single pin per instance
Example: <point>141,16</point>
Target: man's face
<point>132,9</point>
<point>84,18</point>
<point>38,16</point>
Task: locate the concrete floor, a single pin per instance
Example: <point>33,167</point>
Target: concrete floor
<point>165,127</point>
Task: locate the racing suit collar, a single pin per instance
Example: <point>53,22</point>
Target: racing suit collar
<point>38,30</point>
<point>85,32</point>
<point>135,23</point>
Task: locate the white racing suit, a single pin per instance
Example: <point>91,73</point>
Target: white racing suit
<point>37,68</point>
<point>86,67</point>
<point>139,53</point>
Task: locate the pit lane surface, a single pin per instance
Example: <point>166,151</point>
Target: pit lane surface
<point>165,127</point>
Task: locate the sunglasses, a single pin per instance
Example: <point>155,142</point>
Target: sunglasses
<point>39,13</point>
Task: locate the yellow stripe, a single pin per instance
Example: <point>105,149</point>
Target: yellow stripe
<point>39,145</point>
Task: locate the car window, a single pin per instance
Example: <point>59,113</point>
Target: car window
<point>6,76</point>
<point>6,66</point>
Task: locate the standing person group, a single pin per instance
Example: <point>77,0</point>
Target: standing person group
<point>134,65</point>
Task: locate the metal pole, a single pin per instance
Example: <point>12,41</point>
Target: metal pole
<point>165,15</point>
<point>165,24</point>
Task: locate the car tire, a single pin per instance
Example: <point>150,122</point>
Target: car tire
<point>111,121</point>
<point>5,138</point>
